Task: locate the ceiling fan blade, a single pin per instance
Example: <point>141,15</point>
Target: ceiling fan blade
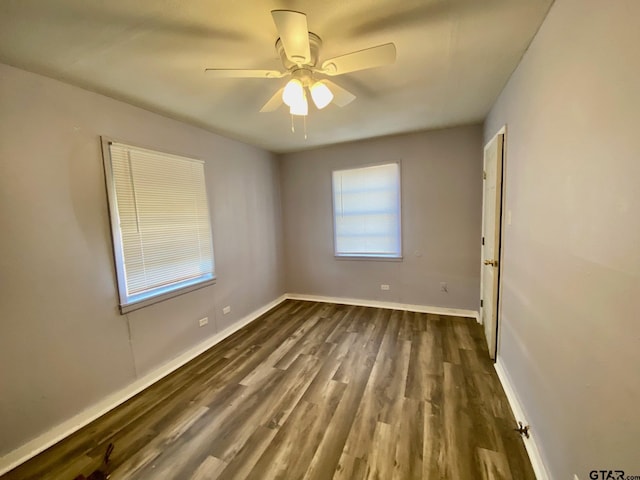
<point>360,60</point>
<point>274,102</point>
<point>234,73</point>
<point>294,34</point>
<point>341,97</point>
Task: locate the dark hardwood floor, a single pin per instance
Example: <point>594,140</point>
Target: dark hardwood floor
<point>314,391</point>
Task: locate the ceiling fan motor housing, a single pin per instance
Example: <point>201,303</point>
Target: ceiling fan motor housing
<point>314,46</point>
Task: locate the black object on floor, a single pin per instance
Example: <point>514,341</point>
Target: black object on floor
<point>102,474</point>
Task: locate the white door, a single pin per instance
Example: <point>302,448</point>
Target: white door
<point>491,221</point>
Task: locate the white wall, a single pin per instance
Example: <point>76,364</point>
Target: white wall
<point>63,344</point>
<point>441,175</point>
<point>570,331</point>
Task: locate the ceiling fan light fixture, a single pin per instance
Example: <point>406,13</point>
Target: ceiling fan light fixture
<point>293,93</point>
<point>301,108</point>
<point>321,94</point>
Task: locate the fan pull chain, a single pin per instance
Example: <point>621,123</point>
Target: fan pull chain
<point>304,124</point>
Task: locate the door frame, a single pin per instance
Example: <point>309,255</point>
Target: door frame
<point>501,220</point>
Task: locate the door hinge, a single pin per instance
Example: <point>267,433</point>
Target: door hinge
<point>481,302</point>
<point>523,429</point>
<point>484,175</point>
<point>482,240</point>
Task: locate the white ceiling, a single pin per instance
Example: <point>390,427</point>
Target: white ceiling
<point>453,57</point>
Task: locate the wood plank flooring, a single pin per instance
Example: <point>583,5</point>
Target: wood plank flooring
<point>313,391</point>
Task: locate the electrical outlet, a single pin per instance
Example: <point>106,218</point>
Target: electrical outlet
<point>444,287</point>
<point>385,287</point>
<point>226,309</point>
<point>203,321</point>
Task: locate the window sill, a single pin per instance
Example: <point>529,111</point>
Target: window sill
<point>159,297</point>
<point>368,258</point>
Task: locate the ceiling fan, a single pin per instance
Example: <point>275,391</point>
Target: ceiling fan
<point>299,51</point>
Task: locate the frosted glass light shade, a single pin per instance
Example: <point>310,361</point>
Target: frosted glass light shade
<point>321,95</point>
<point>300,108</point>
<point>293,93</point>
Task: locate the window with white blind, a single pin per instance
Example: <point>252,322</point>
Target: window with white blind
<point>160,224</point>
<point>366,212</point>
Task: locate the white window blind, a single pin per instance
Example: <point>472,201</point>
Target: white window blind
<point>160,222</point>
<point>366,207</point>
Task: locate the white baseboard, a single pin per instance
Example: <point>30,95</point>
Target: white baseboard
<point>390,305</point>
<point>531,444</point>
<point>66,428</point>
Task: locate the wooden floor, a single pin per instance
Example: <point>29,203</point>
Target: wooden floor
<point>318,391</point>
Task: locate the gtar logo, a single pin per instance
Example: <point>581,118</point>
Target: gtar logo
<point>606,475</point>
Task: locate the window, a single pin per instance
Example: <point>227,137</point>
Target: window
<point>159,223</point>
<point>366,212</point>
